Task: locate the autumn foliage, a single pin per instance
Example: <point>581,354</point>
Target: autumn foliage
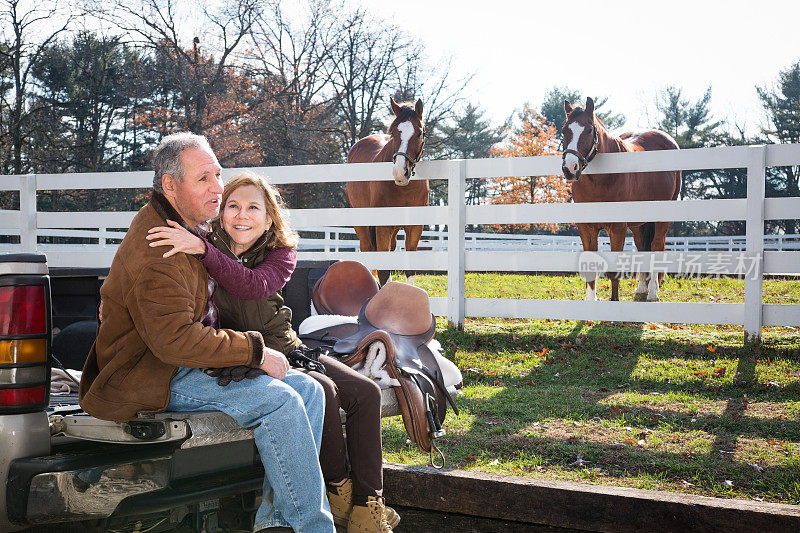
<point>532,136</point>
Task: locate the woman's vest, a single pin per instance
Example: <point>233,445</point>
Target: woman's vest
<point>267,315</point>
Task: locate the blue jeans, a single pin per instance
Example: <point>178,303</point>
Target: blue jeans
<point>286,417</point>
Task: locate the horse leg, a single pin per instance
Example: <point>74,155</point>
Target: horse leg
<point>385,236</point>
<point>588,233</point>
<point>659,245</point>
<point>616,233</point>
<point>366,241</point>
<point>642,277</point>
<point>413,235</point>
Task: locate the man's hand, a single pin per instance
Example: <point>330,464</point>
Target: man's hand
<point>233,373</point>
<point>178,237</point>
<point>274,363</point>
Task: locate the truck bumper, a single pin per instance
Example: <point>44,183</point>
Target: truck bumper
<point>117,482</point>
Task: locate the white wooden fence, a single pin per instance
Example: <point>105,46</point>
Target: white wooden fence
<point>455,260</point>
<point>339,239</point>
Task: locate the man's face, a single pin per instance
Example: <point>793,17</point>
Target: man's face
<point>197,197</point>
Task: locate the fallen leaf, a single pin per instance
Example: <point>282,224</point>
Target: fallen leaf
<point>728,483</point>
<point>719,372</point>
<point>687,484</point>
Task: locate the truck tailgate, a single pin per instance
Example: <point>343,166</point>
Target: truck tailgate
<point>200,428</point>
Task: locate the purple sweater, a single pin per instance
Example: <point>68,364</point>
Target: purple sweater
<point>260,281</point>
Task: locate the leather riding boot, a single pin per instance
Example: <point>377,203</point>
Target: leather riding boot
<point>341,502</point>
<point>370,518</point>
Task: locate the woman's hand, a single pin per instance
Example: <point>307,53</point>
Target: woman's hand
<point>274,363</point>
<point>178,237</point>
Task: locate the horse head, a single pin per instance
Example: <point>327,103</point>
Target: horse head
<point>580,139</point>
<point>408,139</point>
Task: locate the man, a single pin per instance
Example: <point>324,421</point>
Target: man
<point>156,333</point>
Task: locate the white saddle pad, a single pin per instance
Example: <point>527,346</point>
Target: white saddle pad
<point>374,364</point>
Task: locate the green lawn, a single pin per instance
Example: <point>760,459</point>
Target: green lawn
<point>669,407</point>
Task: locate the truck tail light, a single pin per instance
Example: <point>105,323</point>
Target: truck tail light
<point>23,351</point>
<point>24,344</point>
<point>22,310</point>
<point>23,396</point>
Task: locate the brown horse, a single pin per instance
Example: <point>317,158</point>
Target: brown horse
<point>584,137</point>
<point>402,145</point>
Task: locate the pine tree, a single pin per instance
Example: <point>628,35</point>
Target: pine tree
<point>782,108</point>
<point>552,108</point>
<point>469,136</point>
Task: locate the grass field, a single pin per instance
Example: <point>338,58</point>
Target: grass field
<point>669,407</point>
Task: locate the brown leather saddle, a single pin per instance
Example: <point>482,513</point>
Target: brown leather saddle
<point>399,316</point>
<point>343,289</point>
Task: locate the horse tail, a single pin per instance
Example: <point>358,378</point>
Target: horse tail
<point>648,230</point>
<point>372,238</point>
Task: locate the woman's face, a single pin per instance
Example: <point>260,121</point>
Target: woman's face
<point>244,217</point>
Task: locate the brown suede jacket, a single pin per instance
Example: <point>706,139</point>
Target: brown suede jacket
<point>150,326</point>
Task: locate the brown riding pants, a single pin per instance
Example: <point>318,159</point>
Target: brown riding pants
<point>360,398</point>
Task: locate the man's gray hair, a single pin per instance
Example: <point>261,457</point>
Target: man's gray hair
<point>167,155</point>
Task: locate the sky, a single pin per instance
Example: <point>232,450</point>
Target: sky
<point>627,51</point>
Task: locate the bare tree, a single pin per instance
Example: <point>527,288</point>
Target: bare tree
<point>192,74</point>
<point>363,72</point>
<point>374,60</point>
<point>27,30</point>
<point>289,59</point>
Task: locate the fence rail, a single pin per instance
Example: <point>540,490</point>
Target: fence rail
<point>752,255</point>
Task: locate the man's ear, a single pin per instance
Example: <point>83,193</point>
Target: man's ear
<point>168,184</point>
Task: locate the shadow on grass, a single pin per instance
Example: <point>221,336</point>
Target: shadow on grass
<point>574,383</point>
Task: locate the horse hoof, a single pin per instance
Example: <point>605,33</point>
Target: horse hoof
<point>640,297</point>
<point>654,299</point>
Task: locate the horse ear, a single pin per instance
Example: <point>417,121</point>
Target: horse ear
<point>589,105</point>
<point>418,108</point>
<point>395,107</point>
<point>567,107</point>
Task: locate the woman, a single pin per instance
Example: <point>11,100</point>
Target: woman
<point>250,253</point>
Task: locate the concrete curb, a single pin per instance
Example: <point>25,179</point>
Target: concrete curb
<point>579,505</point>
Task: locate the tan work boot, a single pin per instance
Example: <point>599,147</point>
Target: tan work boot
<point>392,518</point>
<point>341,502</point>
<point>370,518</point>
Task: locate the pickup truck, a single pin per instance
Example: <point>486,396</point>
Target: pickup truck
<point>58,465</point>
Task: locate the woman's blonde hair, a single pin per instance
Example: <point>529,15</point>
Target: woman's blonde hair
<point>282,235</point>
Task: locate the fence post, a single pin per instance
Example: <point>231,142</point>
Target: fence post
<point>456,220</point>
<point>27,212</point>
<point>754,242</point>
